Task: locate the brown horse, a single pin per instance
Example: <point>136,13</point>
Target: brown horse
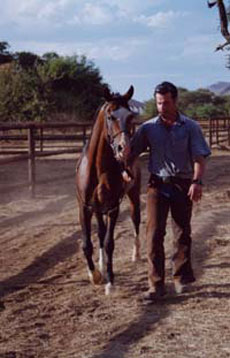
<point>100,185</point>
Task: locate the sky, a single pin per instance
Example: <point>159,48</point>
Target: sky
<point>138,42</point>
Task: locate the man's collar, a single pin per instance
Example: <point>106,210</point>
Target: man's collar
<point>179,120</point>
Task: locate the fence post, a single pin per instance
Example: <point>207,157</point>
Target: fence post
<point>217,131</point>
<point>31,160</point>
<point>84,134</point>
<point>41,139</point>
<point>210,131</point>
<point>228,129</point>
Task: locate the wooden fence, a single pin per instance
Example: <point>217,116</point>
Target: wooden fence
<point>216,130</point>
<point>30,140</point>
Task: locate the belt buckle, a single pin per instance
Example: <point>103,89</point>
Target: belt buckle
<point>166,180</point>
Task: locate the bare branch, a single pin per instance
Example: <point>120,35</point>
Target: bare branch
<point>211,4</point>
<point>223,22</point>
<point>221,47</point>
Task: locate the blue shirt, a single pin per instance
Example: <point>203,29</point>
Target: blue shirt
<point>172,149</point>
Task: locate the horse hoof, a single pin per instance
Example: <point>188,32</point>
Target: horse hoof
<point>109,288</point>
<point>95,277</point>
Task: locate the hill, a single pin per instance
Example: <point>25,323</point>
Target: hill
<point>220,88</point>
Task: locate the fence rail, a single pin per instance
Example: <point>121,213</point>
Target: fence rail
<point>216,130</point>
<point>33,140</point>
<point>26,141</point>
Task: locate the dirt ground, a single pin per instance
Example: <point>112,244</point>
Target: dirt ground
<point>49,309</point>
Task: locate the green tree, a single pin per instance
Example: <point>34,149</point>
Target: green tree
<point>199,103</point>
<point>21,98</point>
<point>76,85</point>
<point>5,55</point>
<point>41,88</point>
<point>150,110</point>
<point>27,60</point>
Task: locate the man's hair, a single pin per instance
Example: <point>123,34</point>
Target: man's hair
<point>166,87</point>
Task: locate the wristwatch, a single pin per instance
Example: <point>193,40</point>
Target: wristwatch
<point>197,181</point>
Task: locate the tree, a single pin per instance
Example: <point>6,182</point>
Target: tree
<point>5,55</point>
<point>75,83</point>
<point>49,56</point>
<point>27,60</point>
<point>21,98</point>
<point>200,103</point>
<point>42,88</point>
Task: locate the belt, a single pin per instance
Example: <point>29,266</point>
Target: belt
<point>168,180</point>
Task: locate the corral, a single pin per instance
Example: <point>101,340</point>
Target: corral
<point>48,307</point>
<point>31,140</point>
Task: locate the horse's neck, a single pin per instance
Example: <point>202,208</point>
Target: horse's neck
<point>100,153</point>
<point>96,135</point>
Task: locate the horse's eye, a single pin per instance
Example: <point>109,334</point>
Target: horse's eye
<point>112,118</point>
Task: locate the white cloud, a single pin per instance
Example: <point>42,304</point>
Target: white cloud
<point>29,11</point>
<point>60,12</point>
<point>131,6</point>
<point>160,19</point>
<point>116,50</point>
<point>102,12</point>
<point>93,14</point>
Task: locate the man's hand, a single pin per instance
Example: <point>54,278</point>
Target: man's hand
<point>195,192</point>
<point>126,176</point>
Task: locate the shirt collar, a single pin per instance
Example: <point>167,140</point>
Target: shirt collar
<point>179,121</point>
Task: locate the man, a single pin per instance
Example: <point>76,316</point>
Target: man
<point>176,164</point>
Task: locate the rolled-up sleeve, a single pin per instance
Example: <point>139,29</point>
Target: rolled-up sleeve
<point>198,144</point>
<point>139,142</point>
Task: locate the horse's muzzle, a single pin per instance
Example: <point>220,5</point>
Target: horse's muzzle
<point>122,151</point>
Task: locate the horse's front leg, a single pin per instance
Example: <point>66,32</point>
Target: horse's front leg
<point>101,235</point>
<point>85,221</point>
<point>109,248</point>
<point>134,197</point>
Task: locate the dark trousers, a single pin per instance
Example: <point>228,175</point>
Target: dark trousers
<point>162,198</point>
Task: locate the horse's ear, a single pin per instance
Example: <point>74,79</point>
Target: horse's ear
<point>128,95</point>
<point>107,94</point>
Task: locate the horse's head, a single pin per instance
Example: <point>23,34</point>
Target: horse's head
<point>118,120</point>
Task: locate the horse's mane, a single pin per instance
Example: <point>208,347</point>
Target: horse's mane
<point>97,112</point>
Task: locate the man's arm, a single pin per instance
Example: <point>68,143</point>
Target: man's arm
<point>137,146</point>
<point>199,168</point>
<point>195,190</point>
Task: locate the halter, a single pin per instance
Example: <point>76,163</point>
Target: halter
<point>121,101</point>
<point>110,136</point>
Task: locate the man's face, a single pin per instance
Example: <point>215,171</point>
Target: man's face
<point>166,105</point>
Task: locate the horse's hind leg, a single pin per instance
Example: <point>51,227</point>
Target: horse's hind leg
<point>85,220</point>
<point>134,197</point>
<point>109,248</point>
<point>101,235</point>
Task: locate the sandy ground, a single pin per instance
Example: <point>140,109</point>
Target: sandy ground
<point>49,309</point>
